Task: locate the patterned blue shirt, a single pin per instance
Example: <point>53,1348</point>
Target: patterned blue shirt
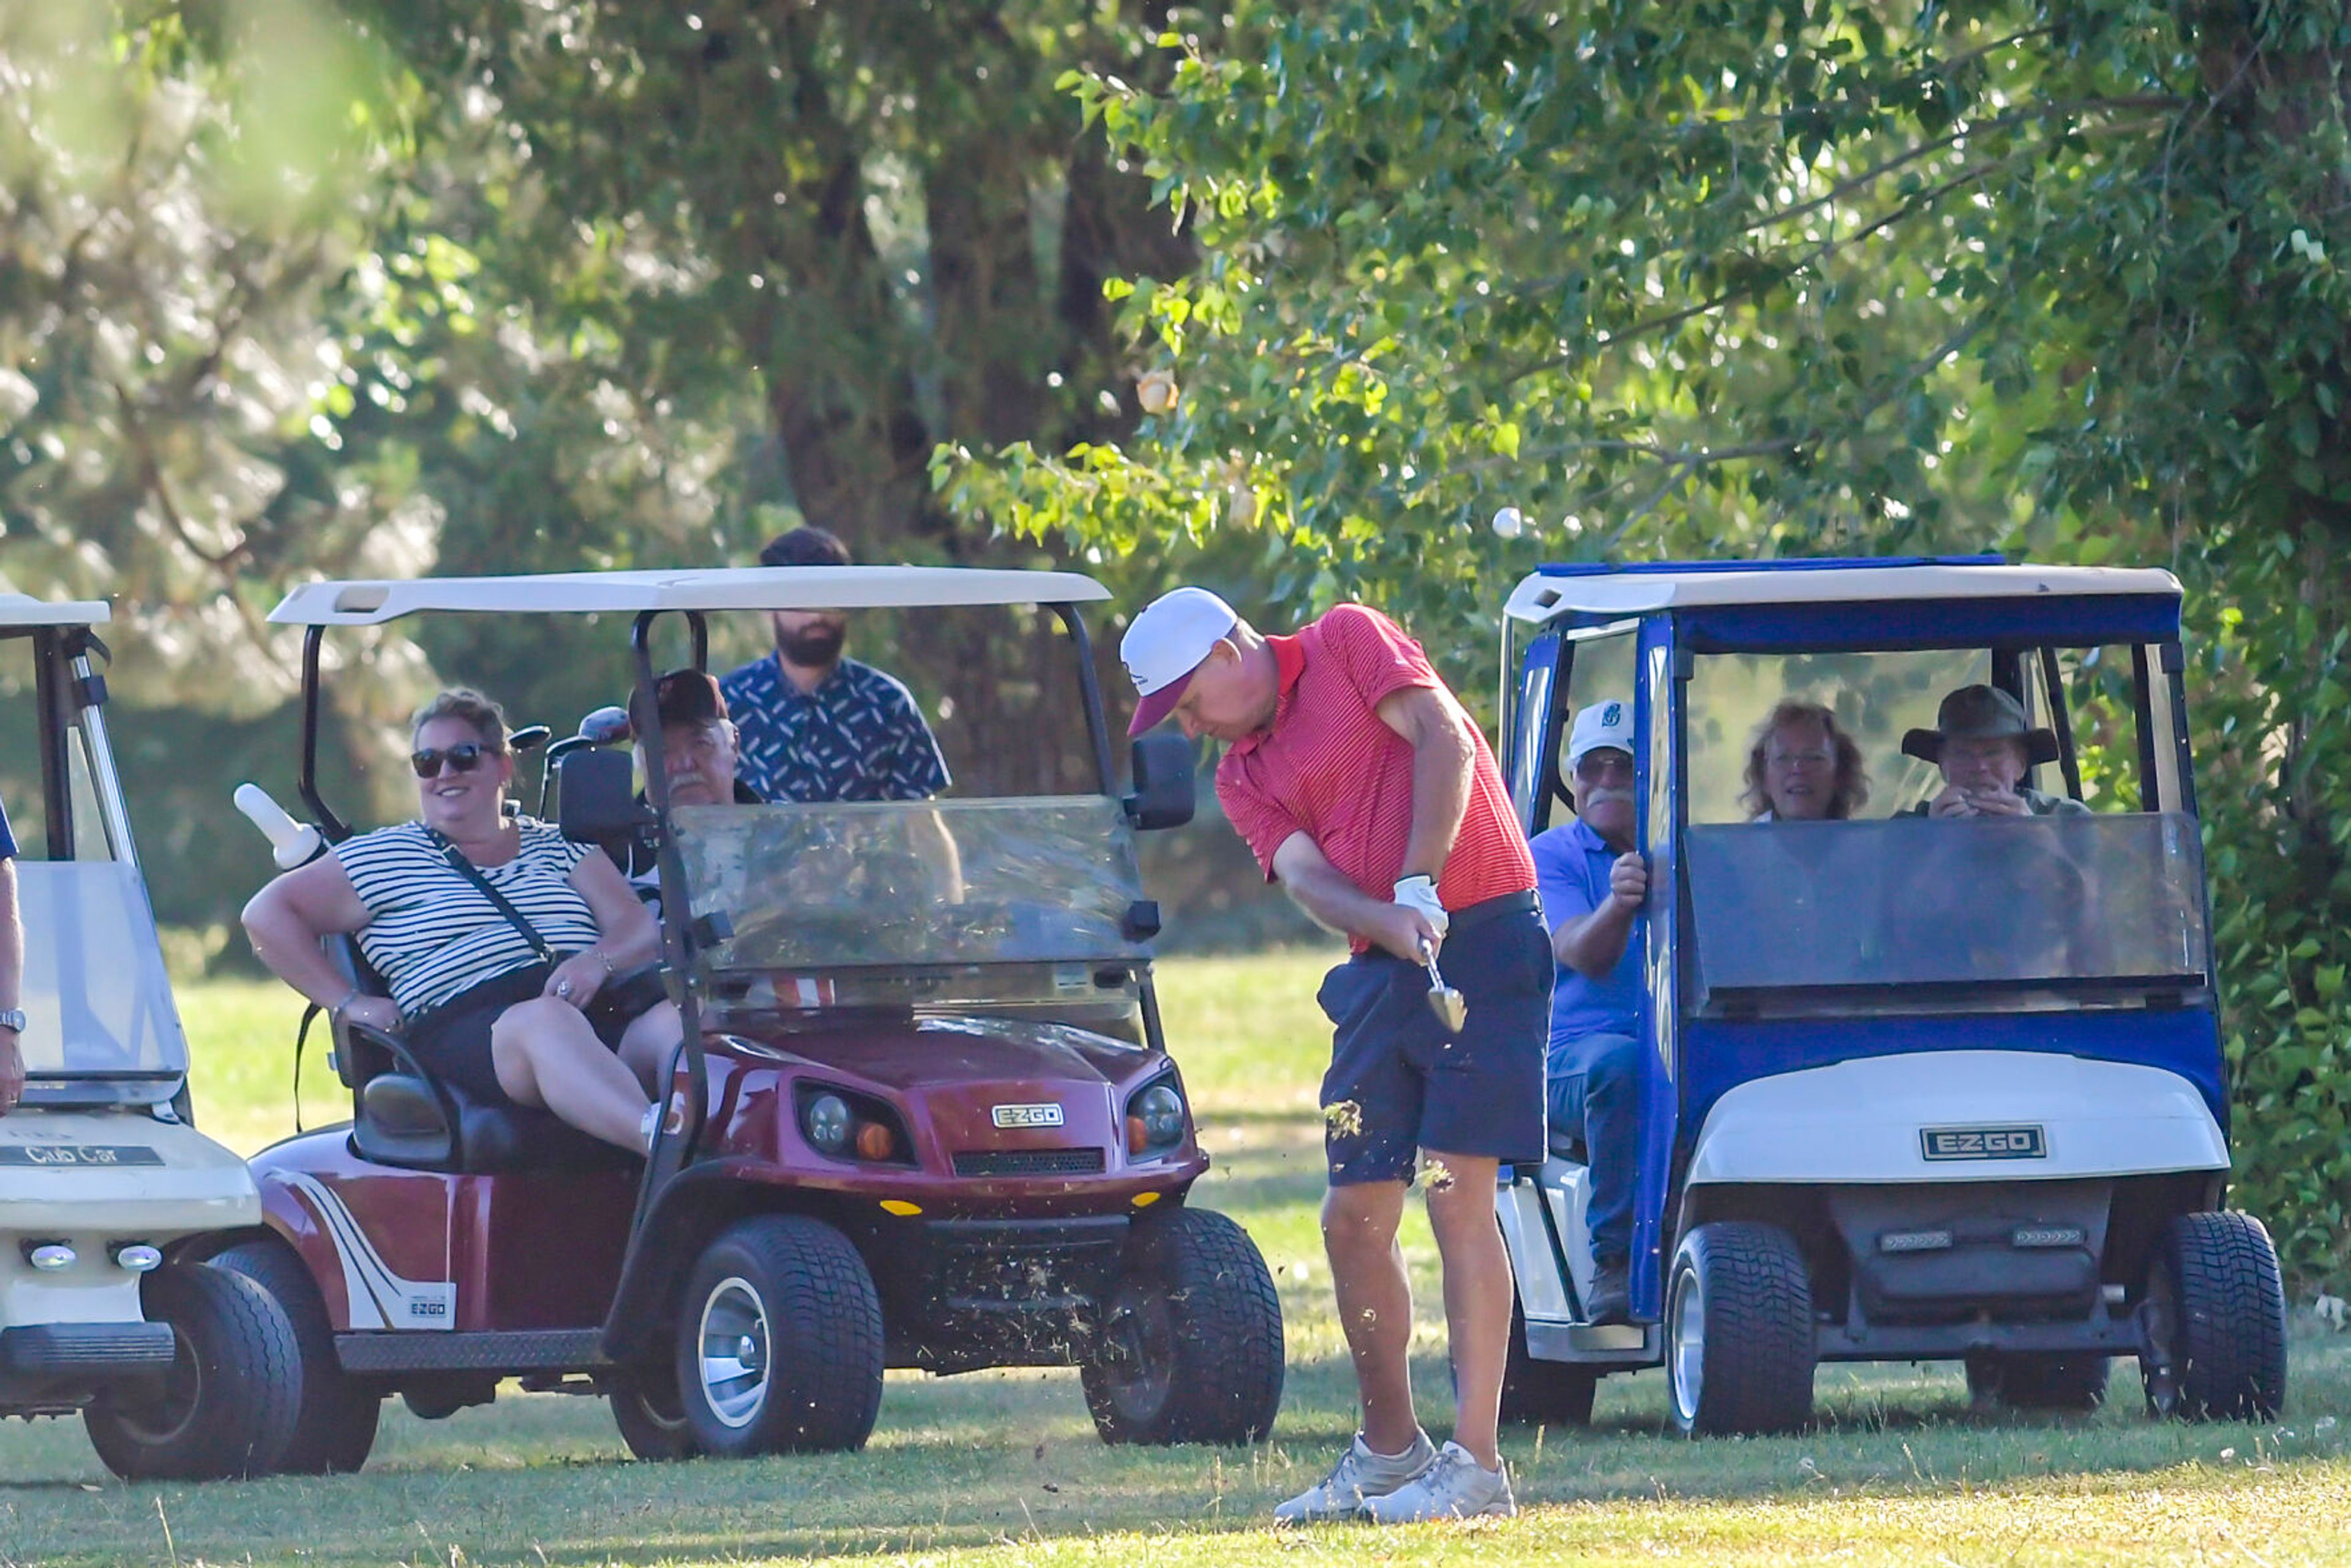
<point>858,736</point>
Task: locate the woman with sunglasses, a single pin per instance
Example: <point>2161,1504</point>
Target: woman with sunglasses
<point>474,993</point>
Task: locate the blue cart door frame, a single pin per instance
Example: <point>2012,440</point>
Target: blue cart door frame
<point>1657,771</point>
<point>1545,691</point>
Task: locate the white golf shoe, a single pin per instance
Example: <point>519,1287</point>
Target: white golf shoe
<point>1455,1487</point>
<point>1360,1476</point>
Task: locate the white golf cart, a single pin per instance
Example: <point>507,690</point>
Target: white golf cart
<point>179,1370</point>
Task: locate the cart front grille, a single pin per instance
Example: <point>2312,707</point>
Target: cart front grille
<point>1028,1161</point>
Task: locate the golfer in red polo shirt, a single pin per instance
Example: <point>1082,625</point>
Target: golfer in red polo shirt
<point>1370,795</point>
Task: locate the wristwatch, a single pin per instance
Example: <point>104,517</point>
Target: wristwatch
<point>13,1017</point>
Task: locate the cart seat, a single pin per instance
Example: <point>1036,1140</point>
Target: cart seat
<point>403,1116</point>
<point>408,1120</point>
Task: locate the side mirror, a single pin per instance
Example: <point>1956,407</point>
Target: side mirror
<point>1163,782</point>
<point>594,801</point>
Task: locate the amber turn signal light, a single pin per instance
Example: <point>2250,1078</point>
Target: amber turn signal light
<point>1138,1137</point>
<point>876,1142</point>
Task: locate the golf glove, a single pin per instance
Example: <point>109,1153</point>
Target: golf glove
<point>1420,893</point>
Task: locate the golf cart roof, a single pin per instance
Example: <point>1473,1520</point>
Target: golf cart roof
<point>372,602</point>
<point>23,609</point>
<point>1789,606</point>
<point>1551,592</point>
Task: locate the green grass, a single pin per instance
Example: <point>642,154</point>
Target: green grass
<point>1004,1468</point>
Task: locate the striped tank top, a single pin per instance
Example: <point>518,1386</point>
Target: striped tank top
<point>431,935</point>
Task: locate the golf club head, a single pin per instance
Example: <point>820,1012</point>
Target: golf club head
<point>605,725</point>
<point>1450,1006</point>
<point>529,738</point>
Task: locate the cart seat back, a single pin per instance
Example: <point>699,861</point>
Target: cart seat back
<point>404,1115</point>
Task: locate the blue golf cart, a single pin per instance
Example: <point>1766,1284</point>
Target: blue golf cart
<point>1913,1087</point>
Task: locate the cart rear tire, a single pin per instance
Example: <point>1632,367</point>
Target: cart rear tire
<point>1191,1343</point>
<point>227,1406</point>
<point>334,1428</point>
<point>1543,1393</point>
<point>2039,1380</point>
<point>2215,1321</point>
<point>651,1414</point>
<point>780,1341</point>
<point>1740,1346</point>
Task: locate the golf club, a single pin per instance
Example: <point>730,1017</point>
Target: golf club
<point>1447,1004</point>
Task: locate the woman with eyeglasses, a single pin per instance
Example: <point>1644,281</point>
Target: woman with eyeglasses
<point>474,992</point>
<point>1802,768</point>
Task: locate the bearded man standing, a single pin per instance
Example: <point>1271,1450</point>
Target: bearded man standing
<point>816,725</point>
<point>1367,792</point>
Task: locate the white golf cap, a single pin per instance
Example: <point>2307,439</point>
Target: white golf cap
<point>1599,726</point>
<point>1165,643</point>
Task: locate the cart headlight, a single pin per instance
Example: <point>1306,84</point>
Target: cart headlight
<point>825,1120</point>
<point>1154,1119</point>
<point>138,1256</point>
<point>844,1124</point>
<point>49,1257</point>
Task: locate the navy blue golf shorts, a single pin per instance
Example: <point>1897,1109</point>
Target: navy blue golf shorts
<point>1398,1083</point>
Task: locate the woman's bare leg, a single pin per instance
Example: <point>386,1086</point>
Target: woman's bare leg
<point>648,1042</point>
<point>546,1054</point>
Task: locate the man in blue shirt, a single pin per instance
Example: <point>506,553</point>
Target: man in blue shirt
<point>11,973</point>
<point>1594,882</point>
<point>815,726</point>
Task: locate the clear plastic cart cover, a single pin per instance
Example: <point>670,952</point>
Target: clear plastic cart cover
<point>98,1004</point>
<point>812,887</point>
<point>1918,901</point>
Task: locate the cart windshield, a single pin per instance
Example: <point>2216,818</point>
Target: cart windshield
<point>1842,916</point>
<point>100,1023</point>
<point>946,901</point>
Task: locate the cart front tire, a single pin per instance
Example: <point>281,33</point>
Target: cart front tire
<point>334,1428</point>
<point>780,1341</point>
<point>651,1414</point>
<point>1191,1343</point>
<point>227,1406</point>
<point>2215,1321</point>
<point>1740,1346</point>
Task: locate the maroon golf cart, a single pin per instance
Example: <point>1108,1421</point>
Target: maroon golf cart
<point>924,1114</point>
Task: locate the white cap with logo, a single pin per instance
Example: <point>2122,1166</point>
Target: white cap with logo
<point>1599,726</point>
<point>1165,643</point>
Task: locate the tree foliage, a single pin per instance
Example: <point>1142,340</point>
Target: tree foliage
<point>1786,276</point>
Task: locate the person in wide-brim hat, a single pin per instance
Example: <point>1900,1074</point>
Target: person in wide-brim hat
<point>1985,744</point>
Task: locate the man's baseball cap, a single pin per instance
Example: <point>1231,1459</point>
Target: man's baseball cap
<point>688,696</point>
<point>1981,713</point>
<point>1165,643</point>
<point>1599,727</point>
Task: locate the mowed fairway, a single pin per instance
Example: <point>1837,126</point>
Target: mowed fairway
<point>1003,1467</point>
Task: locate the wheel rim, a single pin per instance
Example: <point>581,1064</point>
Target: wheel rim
<point>736,1345</point>
<point>1689,1343</point>
<point>165,1418</point>
<point>1139,1351</point>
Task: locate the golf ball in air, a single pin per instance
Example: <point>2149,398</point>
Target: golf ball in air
<point>1508,523</point>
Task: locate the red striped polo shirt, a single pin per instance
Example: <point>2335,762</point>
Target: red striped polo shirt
<point>1329,767</point>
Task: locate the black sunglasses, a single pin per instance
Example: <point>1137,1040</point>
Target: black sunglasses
<point>462,757</point>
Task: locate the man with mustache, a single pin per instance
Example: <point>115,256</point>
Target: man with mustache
<point>1593,884</point>
<point>1367,792</point>
<point>814,726</point>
